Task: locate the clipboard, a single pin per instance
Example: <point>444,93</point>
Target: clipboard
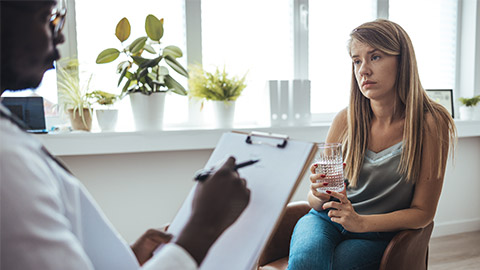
<point>272,182</point>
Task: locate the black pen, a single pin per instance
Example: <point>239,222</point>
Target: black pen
<point>246,163</point>
<point>204,174</point>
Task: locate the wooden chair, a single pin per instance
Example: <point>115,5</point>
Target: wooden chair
<point>407,250</point>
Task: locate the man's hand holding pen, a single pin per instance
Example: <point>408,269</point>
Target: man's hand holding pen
<point>218,201</point>
<point>203,174</point>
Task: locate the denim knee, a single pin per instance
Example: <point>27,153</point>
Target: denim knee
<point>313,242</point>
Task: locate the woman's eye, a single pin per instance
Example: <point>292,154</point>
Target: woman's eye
<point>375,57</point>
<point>356,62</point>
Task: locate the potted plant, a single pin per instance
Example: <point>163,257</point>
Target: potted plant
<point>142,74</point>
<point>107,116</point>
<point>218,88</point>
<point>467,110</point>
<point>72,93</point>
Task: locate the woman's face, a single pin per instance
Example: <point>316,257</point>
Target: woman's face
<point>375,71</point>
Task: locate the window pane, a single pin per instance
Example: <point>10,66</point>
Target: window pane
<point>93,37</point>
<point>432,26</point>
<point>249,36</point>
<point>330,23</point>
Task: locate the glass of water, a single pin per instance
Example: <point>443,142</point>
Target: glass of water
<point>329,161</point>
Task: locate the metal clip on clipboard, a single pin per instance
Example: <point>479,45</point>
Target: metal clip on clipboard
<point>284,138</point>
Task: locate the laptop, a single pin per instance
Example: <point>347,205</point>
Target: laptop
<point>30,110</point>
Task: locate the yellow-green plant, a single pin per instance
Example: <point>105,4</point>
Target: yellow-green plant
<point>72,92</point>
<point>142,73</point>
<point>103,98</point>
<point>470,102</point>
<point>214,86</point>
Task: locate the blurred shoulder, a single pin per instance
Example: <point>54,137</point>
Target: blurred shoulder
<point>16,141</point>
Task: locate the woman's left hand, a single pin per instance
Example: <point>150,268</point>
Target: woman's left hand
<point>343,213</point>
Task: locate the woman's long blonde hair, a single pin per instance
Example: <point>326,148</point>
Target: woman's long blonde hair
<point>391,39</point>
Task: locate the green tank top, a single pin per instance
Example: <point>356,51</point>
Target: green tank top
<point>380,188</point>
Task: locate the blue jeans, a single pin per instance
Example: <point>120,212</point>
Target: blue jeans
<point>319,243</point>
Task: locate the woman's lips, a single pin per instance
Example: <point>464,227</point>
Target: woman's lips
<point>368,83</point>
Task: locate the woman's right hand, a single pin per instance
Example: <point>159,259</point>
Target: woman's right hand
<point>316,199</point>
<point>317,182</point>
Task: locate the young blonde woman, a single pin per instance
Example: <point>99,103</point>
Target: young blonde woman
<point>395,144</point>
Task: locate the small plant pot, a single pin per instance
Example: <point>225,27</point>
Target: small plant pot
<point>107,119</point>
<point>79,123</point>
<point>467,112</point>
<point>224,112</point>
<point>148,110</point>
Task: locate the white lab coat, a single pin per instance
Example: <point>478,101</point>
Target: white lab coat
<point>49,220</point>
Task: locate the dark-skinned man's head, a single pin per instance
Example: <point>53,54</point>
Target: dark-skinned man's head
<point>28,47</point>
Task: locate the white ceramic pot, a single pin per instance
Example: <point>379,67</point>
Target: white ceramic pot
<point>224,113</point>
<point>148,110</point>
<point>107,119</point>
<point>466,113</point>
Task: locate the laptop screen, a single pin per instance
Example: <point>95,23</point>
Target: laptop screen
<point>29,110</point>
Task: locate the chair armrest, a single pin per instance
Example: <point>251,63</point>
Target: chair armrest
<point>408,249</point>
<point>279,244</point>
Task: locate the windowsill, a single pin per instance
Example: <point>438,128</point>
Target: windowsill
<point>100,143</point>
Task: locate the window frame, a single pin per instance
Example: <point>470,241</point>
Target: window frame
<point>466,84</point>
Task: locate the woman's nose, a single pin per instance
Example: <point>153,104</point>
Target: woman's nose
<point>364,69</point>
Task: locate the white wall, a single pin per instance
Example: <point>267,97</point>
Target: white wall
<point>144,190</point>
<point>138,191</point>
<point>459,206</point>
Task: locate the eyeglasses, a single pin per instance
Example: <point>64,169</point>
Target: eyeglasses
<point>57,18</point>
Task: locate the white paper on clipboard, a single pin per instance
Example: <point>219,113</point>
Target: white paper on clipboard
<point>271,181</point>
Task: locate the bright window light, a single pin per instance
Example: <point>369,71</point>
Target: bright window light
<point>432,27</point>
<point>249,36</point>
<point>330,23</point>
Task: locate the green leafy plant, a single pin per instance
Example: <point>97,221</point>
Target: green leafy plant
<point>103,98</point>
<point>72,91</point>
<point>470,102</point>
<point>138,72</point>
<point>214,86</point>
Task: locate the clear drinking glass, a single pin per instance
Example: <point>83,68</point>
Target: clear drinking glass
<point>330,162</point>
